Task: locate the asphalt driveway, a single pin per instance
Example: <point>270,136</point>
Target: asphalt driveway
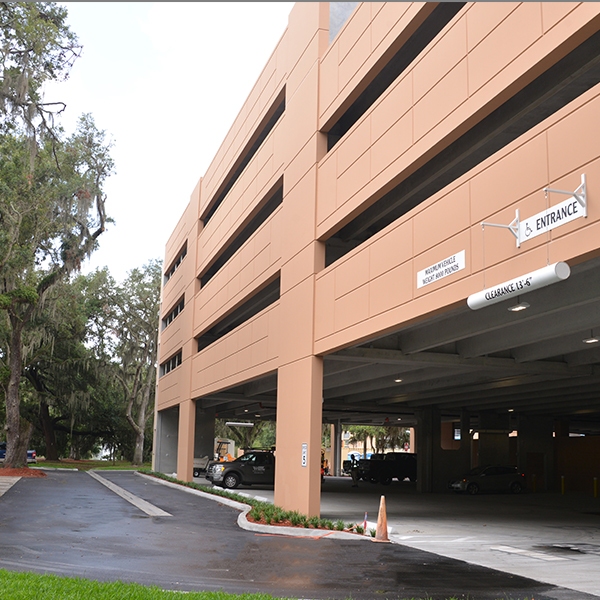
<point>70,524</point>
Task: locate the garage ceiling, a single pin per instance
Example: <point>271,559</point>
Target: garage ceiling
<point>532,362</point>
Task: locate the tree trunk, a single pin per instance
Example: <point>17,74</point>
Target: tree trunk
<point>139,425</point>
<point>49,433</point>
<point>16,446</point>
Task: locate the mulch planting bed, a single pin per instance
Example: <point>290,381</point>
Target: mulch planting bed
<point>22,472</point>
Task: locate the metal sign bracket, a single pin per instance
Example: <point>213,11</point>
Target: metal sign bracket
<point>513,227</point>
<point>580,194</point>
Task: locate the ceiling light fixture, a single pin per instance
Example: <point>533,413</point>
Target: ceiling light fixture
<point>398,380</point>
<point>518,307</point>
<point>592,339</point>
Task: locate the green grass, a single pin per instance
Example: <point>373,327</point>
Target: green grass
<point>30,586</point>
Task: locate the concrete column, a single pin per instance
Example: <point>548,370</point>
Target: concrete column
<point>337,448</point>
<point>299,415</point>
<point>300,373</point>
<point>428,439</point>
<point>204,433</point>
<point>494,445</point>
<point>535,448</point>
<point>466,441</point>
<point>165,444</point>
<point>185,444</point>
<point>412,441</point>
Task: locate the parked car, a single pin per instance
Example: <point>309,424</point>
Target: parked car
<point>384,468</point>
<point>254,466</point>
<point>490,478</point>
<point>31,454</point>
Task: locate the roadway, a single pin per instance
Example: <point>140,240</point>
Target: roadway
<point>552,537</point>
<point>71,523</point>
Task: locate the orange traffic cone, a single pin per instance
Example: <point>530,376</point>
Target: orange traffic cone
<point>381,534</point>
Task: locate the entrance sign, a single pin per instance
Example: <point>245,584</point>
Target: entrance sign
<point>442,269</point>
<point>521,285</point>
<point>549,219</point>
<point>569,210</point>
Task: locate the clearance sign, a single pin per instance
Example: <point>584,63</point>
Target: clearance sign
<point>520,285</point>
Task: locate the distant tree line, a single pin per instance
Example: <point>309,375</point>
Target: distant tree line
<point>77,353</point>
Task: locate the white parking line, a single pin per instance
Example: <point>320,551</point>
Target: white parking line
<point>144,506</point>
<point>527,553</point>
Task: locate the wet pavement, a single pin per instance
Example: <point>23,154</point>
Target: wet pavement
<point>71,524</point>
<point>549,537</point>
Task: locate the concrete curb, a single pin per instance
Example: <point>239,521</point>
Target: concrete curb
<point>243,522</point>
<point>63,469</point>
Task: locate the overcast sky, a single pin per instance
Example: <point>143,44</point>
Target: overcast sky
<point>165,80</point>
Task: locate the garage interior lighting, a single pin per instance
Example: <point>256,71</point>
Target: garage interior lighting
<point>592,339</point>
<point>398,380</point>
<point>519,307</point>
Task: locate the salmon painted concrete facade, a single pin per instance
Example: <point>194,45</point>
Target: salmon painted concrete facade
<point>384,168</point>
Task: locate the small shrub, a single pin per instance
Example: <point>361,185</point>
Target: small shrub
<point>339,525</point>
<point>326,524</point>
<point>255,513</point>
<point>277,514</point>
<point>372,532</point>
<point>296,518</point>
<point>359,529</point>
<point>314,522</point>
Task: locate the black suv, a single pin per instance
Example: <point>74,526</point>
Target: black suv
<point>255,466</point>
<point>383,468</point>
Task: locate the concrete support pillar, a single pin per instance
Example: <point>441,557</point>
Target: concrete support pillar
<point>204,433</point>
<point>428,445</point>
<point>535,448</point>
<point>299,415</point>
<point>300,372</point>
<point>164,459</point>
<point>466,441</point>
<point>336,445</point>
<point>185,443</point>
<point>494,445</point>
<point>561,427</point>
